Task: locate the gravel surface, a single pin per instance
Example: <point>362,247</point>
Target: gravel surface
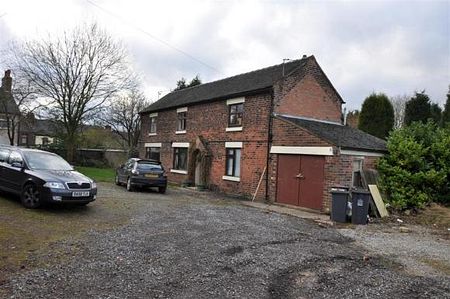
<point>421,250</point>
<point>186,244</point>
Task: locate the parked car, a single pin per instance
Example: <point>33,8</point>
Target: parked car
<point>142,173</point>
<point>42,177</point>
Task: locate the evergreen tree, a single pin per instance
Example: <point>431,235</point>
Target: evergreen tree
<point>446,113</point>
<point>436,113</point>
<point>195,81</point>
<point>377,115</point>
<point>181,84</point>
<point>418,108</point>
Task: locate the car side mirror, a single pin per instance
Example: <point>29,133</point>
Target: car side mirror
<point>17,164</point>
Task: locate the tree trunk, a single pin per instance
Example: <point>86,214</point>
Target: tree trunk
<point>70,150</point>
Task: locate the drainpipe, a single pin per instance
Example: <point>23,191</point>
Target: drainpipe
<point>269,142</point>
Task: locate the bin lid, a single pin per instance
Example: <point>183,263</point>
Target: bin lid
<point>334,190</point>
<point>361,191</point>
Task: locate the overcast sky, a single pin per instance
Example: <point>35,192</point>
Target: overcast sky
<point>396,47</point>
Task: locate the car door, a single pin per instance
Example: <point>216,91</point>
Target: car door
<point>129,166</point>
<point>4,155</point>
<point>14,175</point>
<point>122,171</point>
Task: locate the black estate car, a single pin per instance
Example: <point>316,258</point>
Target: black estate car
<point>142,173</point>
<point>39,177</point>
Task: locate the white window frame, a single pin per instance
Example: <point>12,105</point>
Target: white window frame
<point>240,100</point>
<point>180,110</point>
<point>232,145</point>
<point>153,115</point>
<point>185,145</point>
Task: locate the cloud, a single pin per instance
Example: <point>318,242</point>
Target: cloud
<point>393,47</point>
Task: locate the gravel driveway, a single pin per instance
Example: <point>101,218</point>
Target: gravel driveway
<point>186,244</point>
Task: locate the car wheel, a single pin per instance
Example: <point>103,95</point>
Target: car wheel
<point>129,186</point>
<point>116,180</point>
<point>30,197</point>
<point>162,190</point>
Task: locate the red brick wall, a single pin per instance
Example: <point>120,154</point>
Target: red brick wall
<point>338,168</point>
<point>287,134</point>
<point>210,120</point>
<point>338,172</point>
<point>307,93</point>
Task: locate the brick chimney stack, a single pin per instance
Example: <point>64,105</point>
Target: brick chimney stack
<point>7,81</point>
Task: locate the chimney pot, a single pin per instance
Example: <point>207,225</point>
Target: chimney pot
<point>304,56</point>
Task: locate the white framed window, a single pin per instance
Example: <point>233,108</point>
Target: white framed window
<point>180,157</point>
<point>235,114</point>
<point>181,120</point>
<point>152,124</point>
<point>232,161</point>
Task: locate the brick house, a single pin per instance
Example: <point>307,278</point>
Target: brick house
<point>276,132</point>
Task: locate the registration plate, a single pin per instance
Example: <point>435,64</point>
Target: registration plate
<point>151,175</point>
<point>80,193</point>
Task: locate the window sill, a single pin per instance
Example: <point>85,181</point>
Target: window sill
<point>151,134</point>
<point>180,132</point>
<point>231,178</point>
<point>178,171</point>
<point>233,129</point>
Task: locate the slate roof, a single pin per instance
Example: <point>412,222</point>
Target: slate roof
<point>232,86</point>
<point>44,127</point>
<point>343,136</point>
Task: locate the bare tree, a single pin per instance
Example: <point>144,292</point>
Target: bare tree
<point>123,116</point>
<point>14,103</point>
<point>77,72</point>
<point>399,103</point>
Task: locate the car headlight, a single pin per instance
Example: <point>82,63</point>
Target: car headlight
<point>93,185</point>
<point>54,185</point>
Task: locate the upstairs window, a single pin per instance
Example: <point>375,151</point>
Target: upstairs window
<point>181,120</point>
<point>152,123</point>
<point>235,115</point>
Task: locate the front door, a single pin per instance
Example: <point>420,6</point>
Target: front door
<point>300,180</point>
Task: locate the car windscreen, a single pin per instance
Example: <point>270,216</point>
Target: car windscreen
<point>148,166</point>
<point>46,161</point>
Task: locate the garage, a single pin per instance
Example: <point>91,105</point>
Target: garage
<point>300,180</point>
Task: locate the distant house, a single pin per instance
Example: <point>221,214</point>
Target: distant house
<point>8,108</point>
<point>276,133</point>
<point>37,132</point>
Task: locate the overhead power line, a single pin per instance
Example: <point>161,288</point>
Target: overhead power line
<point>151,35</point>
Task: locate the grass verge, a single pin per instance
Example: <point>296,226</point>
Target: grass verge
<point>98,174</point>
<point>29,238</point>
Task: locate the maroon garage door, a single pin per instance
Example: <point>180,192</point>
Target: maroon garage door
<point>300,180</point>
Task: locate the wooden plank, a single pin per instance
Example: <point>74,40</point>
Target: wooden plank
<point>378,200</point>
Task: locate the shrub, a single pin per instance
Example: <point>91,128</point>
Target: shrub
<point>417,169</point>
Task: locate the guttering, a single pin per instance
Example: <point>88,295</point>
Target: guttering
<point>269,142</point>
